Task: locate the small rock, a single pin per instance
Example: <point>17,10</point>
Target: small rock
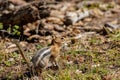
<point>97,13</point>
<point>70,62</point>
<point>78,71</point>
<point>11,46</point>
<point>23,43</point>
<point>6,12</point>
<point>11,7</point>
<point>54,20</point>
<point>48,27</point>
<point>88,19</point>
<point>96,65</point>
<point>79,23</point>
<point>58,14</point>
<point>26,32</point>
<point>65,6</point>
<point>58,28</point>
<point>11,59</point>
<point>33,37</point>
<point>18,2</point>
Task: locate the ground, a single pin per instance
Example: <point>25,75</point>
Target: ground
<point>92,50</point>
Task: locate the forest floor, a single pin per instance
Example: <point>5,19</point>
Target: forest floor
<point>93,55</point>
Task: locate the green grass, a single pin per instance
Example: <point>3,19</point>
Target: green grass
<point>108,62</point>
<point>95,65</point>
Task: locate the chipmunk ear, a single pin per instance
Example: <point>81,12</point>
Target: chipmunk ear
<point>56,39</point>
<point>54,36</point>
<point>53,39</point>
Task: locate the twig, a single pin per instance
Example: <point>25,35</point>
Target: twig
<point>22,53</point>
<point>101,52</point>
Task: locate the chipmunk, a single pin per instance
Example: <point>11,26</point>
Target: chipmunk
<point>47,56</point>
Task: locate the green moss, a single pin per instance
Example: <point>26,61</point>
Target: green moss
<point>1,26</point>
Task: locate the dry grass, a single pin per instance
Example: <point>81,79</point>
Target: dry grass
<point>95,58</point>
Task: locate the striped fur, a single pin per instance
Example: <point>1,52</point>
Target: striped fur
<point>41,58</point>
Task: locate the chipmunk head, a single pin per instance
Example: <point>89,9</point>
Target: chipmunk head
<point>56,40</point>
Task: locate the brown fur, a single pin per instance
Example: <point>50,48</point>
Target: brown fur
<point>55,49</point>
<point>56,46</point>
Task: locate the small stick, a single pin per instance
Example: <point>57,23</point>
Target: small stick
<point>100,52</point>
<point>22,53</point>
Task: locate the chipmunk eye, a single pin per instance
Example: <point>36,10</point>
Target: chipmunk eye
<point>62,38</point>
